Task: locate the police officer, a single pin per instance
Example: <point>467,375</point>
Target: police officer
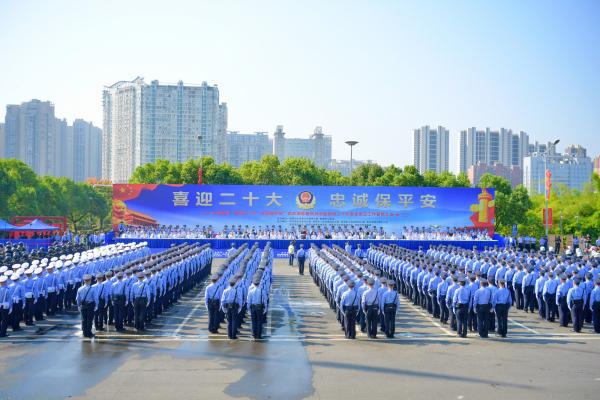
<point>102,295</point>
<point>595,306</point>
<point>462,304</point>
<point>301,256</point>
<point>350,303</point>
<point>5,305</point>
<point>370,305</point>
<point>576,303</point>
<point>501,302</point>
<point>118,296</point>
<point>390,303</point>
<point>140,295</point>
<point>86,302</point>
<point>212,300</point>
<point>257,301</point>
<point>561,301</point>
<point>482,303</point>
<point>231,302</point>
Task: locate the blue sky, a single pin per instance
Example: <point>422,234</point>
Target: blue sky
<point>370,70</point>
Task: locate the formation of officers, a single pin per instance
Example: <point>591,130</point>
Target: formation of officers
<point>355,291</point>
<point>45,287</point>
<point>240,285</point>
<point>134,293</point>
<point>474,291</point>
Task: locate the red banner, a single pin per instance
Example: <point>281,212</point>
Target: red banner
<point>549,217</point>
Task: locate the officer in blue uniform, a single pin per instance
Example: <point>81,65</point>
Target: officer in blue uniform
<point>140,294</point>
<point>501,302</point>
<point>301,256</point>
<point>370,306</point>
<point>118,296</point>
<point>257,300</point>
<point>390,303</point>
<point>462,304</point>
<point>212,301</point>
<point>576,303</point>
<point>350,303</point>
<point>595,306</point>
<point>5,305</point>
<point>86,302</point>
<point>231,302</point>
<point>561,301</point>
<point>482,303</point>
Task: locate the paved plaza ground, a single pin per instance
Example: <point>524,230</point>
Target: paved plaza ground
<point>304,355</point>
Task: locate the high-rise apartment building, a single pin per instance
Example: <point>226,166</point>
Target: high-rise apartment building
<point>29,135</point>
<point>491,147</point>
<point>147,122</point>
<point>574,171</point>
<point>87,150</point>
<point>34,135</point>
<point>431,149</point>
<point>316,148</point>
<point>512,173</point>
<point>240,148</point>
<point>2,139</point>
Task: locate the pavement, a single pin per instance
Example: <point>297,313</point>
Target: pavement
<point>304,355</point>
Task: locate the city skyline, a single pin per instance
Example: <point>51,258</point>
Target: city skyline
<point>522,75</point>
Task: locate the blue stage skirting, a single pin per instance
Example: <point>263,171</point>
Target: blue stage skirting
<point>224,244</point>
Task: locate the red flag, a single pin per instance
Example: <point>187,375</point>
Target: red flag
<point>200,176</point>
<point>550,221</point>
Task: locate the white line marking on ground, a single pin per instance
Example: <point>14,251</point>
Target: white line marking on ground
<point>435,323</point>
<point>523,326</point>
<point>192,311</point>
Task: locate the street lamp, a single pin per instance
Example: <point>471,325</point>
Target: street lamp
<point>546,185</point>
<point>351,143</point>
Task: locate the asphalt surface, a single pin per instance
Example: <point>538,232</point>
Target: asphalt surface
<point>304,355</point>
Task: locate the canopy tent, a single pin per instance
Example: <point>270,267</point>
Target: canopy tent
<point>5,226</point>
<point>35,225</point>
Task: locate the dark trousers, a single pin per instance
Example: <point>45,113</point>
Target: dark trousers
<point>550,300</point>
<point>502,317</point>
<point>541,305</point>
<point>87,318</point>
<point>563,311</point>
<point>17,315</point>
<point>452,319</point>
<point>51,303</point>
<point>60,300</point>
<point>232,320</point>
<point>301,265</point>
<point>372,316</point>
<point>256,315</point>
<point>596,316</point>
<point>213,315</point>
<point>99,315</point>
<point>577,315</point>
<point>111,313</point>
<point>39,308</point>
<point>68,296</point>
<point>472,320</point>
<point>462,315</point>
<point>4,317</point>
<point>519,297</point>
<point>291,260</point>
<point>529,298</point>
<point>362,320</point>
<point>415,291</point>
<point>512,292</point>
<point>483,311</point>
<point>443,310</point>
<point>139,311</point>
<point>350,322</point>
<point>389,313</point>
<point>119,312</point>
<point>129,313</point>
<point>491,321</point>
<point>29,311</point>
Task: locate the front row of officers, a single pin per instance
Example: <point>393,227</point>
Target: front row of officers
<point>359,294</point>
<point>241,284</point>
<point>142,289</point>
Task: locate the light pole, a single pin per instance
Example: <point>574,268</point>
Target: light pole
<point>351,143</point>
<point>546,194</point>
